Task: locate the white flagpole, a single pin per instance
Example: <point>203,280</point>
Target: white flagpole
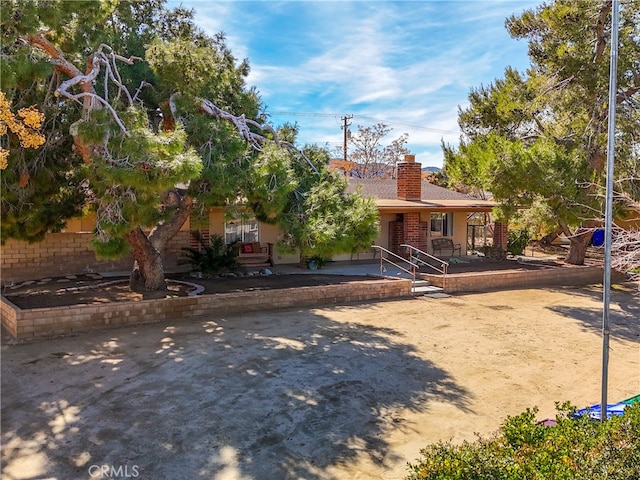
<point>613,69</point>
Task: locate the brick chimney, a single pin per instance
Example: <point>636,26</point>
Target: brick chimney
<point>409,183</point>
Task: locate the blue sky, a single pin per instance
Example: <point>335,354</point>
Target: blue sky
<point>408,64</point>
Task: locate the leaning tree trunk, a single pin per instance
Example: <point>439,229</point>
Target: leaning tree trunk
<point>547,239</point>
<point>148,268</point>
<point>578,243</point>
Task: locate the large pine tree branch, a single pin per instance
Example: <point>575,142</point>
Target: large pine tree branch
<point>90,98</point>
<point>183,205</point>
<point>601,36</point>
<point>58,59</point>
<point>626,95</point>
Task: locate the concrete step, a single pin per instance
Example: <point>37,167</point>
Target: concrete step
<point>426,289</point>
<point>422,288</point>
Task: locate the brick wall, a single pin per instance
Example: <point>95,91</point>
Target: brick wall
<point>423,244</point>
<point>406,231</point>
<point>62,254</point>
<point>40,322</point>
<point>511,279</point>
<point>173,253</point>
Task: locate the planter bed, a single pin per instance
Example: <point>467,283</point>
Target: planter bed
<point>546,276</point>
<point>23,324</point>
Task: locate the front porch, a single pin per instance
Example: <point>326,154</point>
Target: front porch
<point>473,273</point>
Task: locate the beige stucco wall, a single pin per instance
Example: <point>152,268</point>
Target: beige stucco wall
<point>459,234</point>
<point>268,234</point>
<point>271,234</point>
<point>459,228</point>
<point>460,231</point>
<point>87,222</point>
<point>68,252</point>
<point>216,222</point>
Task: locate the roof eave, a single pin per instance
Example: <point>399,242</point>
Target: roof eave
<point>448,205</point>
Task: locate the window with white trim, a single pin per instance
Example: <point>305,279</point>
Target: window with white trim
<point>441,224</point>
<point>244,230</point>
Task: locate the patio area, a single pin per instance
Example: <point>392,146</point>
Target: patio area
<point>474,273</point>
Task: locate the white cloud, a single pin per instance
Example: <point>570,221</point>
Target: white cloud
<point>408,64</point>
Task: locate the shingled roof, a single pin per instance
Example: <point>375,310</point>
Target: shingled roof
<point>433,196</point>
<point>386,189</point>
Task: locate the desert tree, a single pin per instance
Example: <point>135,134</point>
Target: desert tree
<point>370,155</point>
<point>539,137</point>
<point>126,168</point>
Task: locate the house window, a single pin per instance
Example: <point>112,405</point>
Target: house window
<point>442,224</point>
<point>244,230</point>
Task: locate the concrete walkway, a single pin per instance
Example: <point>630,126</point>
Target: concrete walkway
<point>343,268</point>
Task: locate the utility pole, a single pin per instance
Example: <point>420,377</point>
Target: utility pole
<point>345,124</point>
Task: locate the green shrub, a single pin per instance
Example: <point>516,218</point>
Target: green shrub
<point>518,241</point>
<point>577,448</point>
<point>215,258</point>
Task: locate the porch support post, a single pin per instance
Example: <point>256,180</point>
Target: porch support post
<point>412,228</point>
<point>501,234</point>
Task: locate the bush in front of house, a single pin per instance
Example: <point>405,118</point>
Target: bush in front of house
<point>523,449</point>
<point>214,258</point>
<point>518,240</point>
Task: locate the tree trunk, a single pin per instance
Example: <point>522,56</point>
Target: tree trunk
<point>578,243</point>
<point>549,238</point>
<point>148,269</point>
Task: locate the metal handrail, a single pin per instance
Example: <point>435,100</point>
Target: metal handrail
<point>411,272</point>
<point>444,265</point>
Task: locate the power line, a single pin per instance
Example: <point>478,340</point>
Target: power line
<point>303,114</point>
<point>364,117</point>
<point>428,129</point>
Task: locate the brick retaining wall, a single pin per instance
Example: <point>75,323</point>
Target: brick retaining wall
<point>500,279</point>
<point>23,324</point>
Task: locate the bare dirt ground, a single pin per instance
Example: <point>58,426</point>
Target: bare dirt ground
<point>347,392</point>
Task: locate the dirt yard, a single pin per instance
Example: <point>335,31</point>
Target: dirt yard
<point>351,392</point>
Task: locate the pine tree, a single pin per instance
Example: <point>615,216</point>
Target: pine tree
<point>540,137</point>
<point>154,121</point>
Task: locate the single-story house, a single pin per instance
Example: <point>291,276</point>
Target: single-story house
<point>411,211</point>
<point>416,212</point>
